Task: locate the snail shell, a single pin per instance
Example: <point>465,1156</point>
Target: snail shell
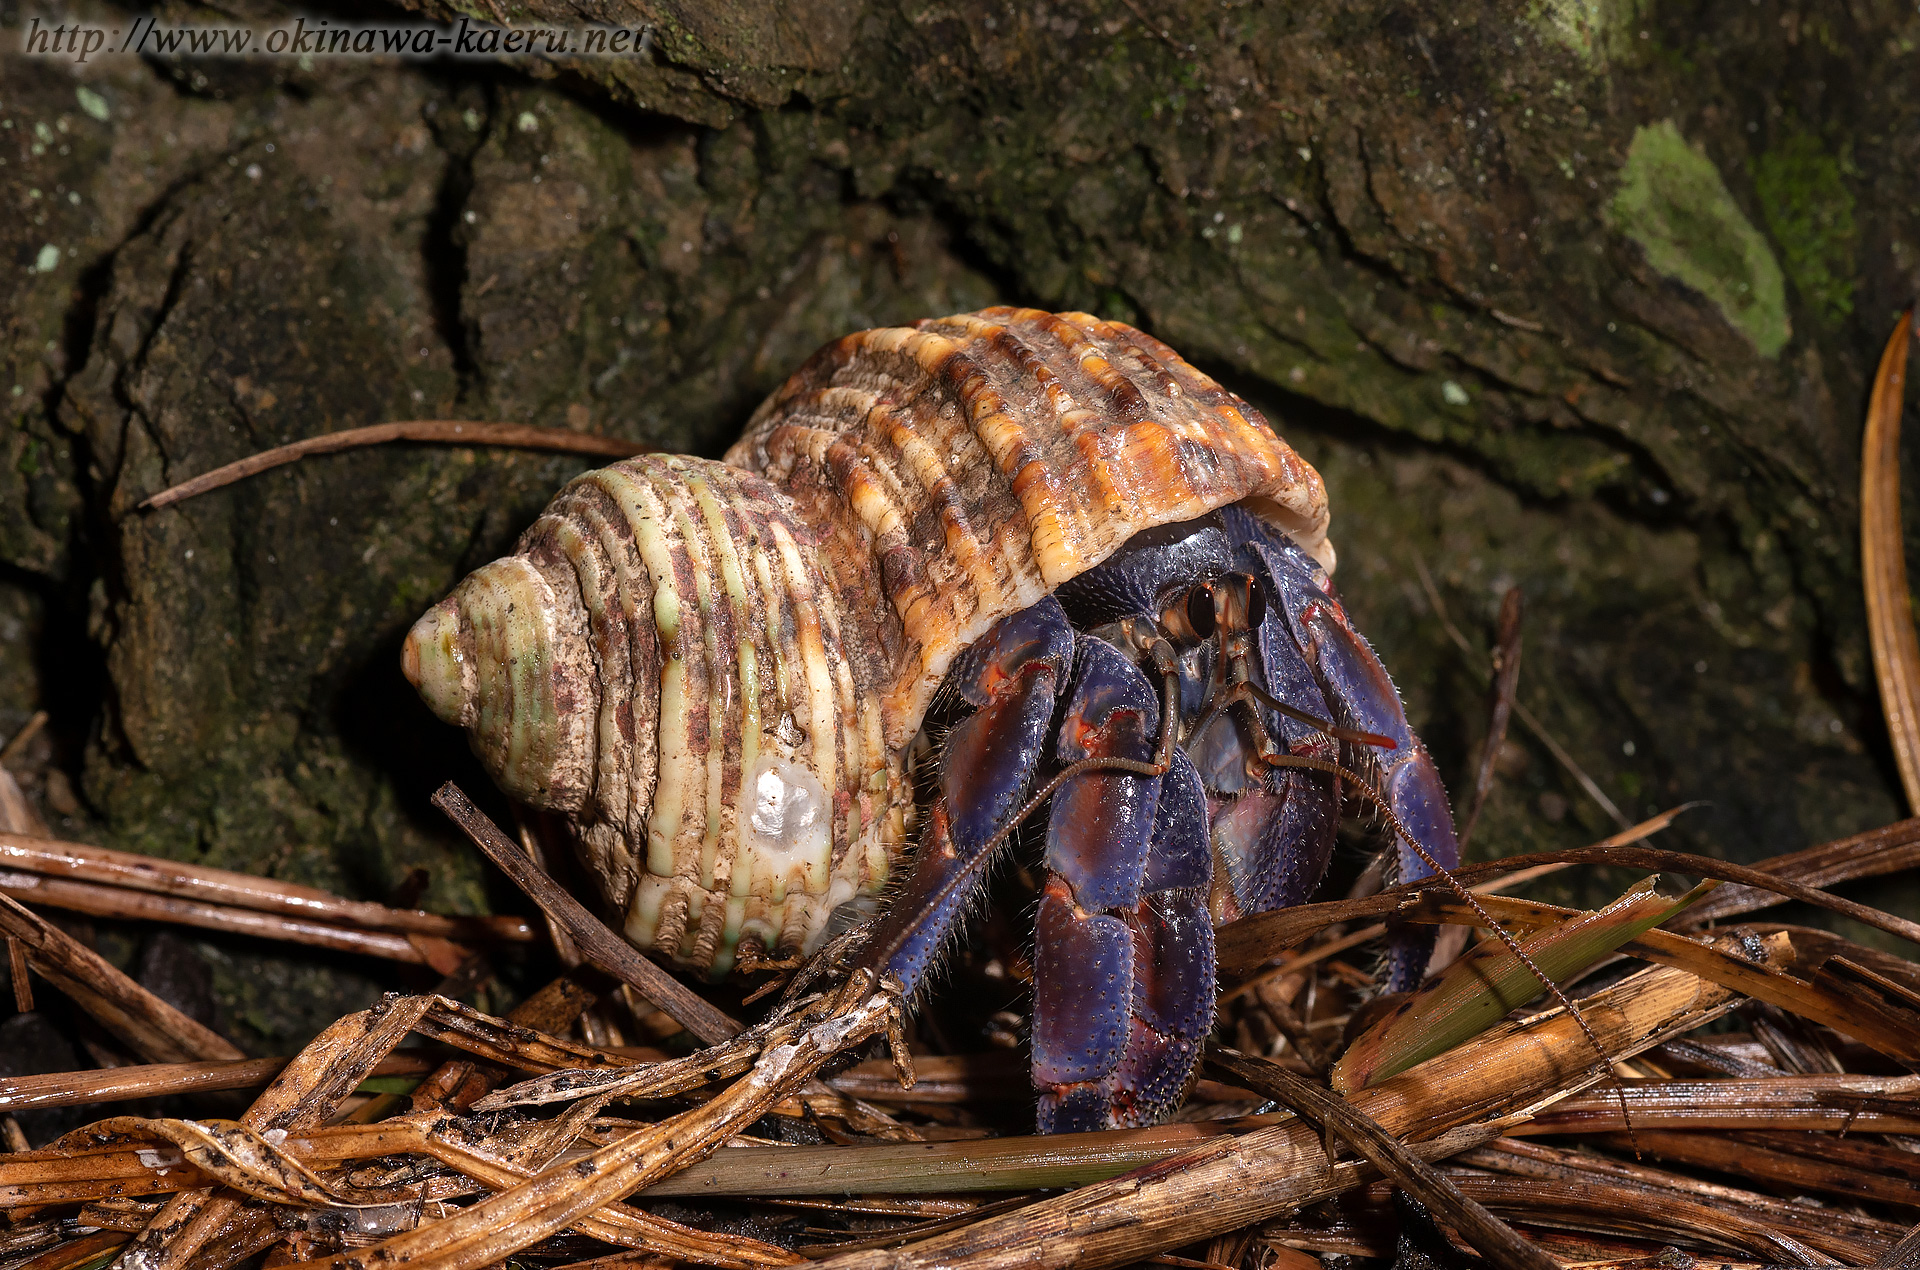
<point>713,670</point>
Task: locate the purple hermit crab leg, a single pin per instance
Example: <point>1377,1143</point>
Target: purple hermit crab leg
<point>1408,781</point>
<point>1011,674</point>
<point>1098,834</point>
<point>1359,695</point>
<point>1174,987</point>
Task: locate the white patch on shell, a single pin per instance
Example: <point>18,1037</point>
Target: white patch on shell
<point>786,832</point>
<point>790,808</point>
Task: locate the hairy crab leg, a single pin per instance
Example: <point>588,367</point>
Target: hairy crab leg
<point>1359,695</point>
<point>1174,984</point>
<point>1408,778</point>
<point>1011,675</point>
<point>1115,1010</point>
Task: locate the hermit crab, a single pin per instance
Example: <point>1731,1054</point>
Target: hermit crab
<point>1001,567</point>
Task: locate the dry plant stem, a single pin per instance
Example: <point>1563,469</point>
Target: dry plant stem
<point>1365,934</point>
<point>17,744</point>
<point>1820,1104</point>
<point>16,813</point>
<point>941,1080</point>
<point>125,870</point>
<point>149,1026</point>
<point>1653,858</point>
<point>1797,1174</point>
<point>1876,853</point>
<point>1489,1236</point>
<point>106,901</point>
<point>1896,647</point>
<point>1527,719</point>
<point>1244,945</point>
<point>1517,1158</point>
<point>1858,1014</point>
<point>1904,1255</point>
<point>557,1198</point>
<point>440,431</point>
<point>119,1084</point>
<point>1506,681</point>
<point>17,971</point>
<point>1224,1185</point>
<point>596,943</point>
<point>935,1168</point>
<point>77,1252</point>
<point>1636,1211</point>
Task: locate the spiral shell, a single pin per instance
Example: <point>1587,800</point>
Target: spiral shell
<point>713,669</point>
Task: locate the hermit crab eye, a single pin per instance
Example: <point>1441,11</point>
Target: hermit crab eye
<point>1187,616</point>
<point>1239,603</point>
<point>1202,609</point>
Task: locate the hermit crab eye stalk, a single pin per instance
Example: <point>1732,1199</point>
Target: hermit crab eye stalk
<point>1238,604</point>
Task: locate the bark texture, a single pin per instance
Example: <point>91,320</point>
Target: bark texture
<point>1574,295</point>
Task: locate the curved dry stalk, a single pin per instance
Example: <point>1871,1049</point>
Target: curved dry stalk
<point>439,431</point>
<point>1883,562</point>
<point>560,1196</point>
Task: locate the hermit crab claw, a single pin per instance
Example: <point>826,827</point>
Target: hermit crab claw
<point>499,657</point>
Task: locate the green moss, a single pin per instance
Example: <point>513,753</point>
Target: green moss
<point>1595,30</point>
<point>1673,202</point>
<point>1809,212</point>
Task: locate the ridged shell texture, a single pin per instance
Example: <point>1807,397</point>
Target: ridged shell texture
<point>714,669</point>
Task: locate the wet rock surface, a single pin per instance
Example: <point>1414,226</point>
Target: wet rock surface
<point>1580,303</point>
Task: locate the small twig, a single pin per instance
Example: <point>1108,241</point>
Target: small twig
<point>28,730</point>
<point>157,1080</point>
<point>600,946</point>
<point>149,1026</point>
<point>1489,1235</point>
<point>141,906</point>
<point>1904,1255</point>
<point>17,968</point>
<point>440,431</point>
<point>132,872</point>
<point>1506,680</point>
<point>1526,716</point>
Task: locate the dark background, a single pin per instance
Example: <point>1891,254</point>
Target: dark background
<point>1579,296</point>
